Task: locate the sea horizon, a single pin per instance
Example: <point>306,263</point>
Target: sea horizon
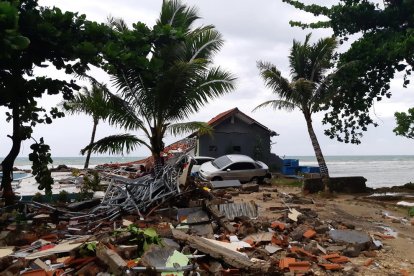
<point>379,170</point>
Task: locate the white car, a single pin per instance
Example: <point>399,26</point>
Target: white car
<point>200,160</point>
<point>234,167</point>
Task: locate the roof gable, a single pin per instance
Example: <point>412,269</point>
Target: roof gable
<point>232,112</point>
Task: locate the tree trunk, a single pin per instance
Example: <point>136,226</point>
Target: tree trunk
<point>318,153</point>
<point>157,147</point>
<point>8,162</point>
<point>89,152</point>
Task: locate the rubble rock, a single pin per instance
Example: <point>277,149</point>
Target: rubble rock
<point>322,229</point>
<point>359,238</point>
<point>352,251</point>
<point>297,234</point>
<point>250,187</point>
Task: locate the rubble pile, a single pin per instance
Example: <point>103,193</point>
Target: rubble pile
<point>171,224</point>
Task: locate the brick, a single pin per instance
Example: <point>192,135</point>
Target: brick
<point>332,266</point>
<point>278,225</point>
<point>384,237</point>
<point>330,256</point>
<point>339,260</point>
<point>303,252</point>
<point>368,262</point>
<point>284,263</point>
<point>299,266</point>
<point>309,234</point>
<point>404,272</point>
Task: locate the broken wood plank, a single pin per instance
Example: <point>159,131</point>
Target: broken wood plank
<point>233,258</point>
<point>116,264</point>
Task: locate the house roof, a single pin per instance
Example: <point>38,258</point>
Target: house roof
<point>221,116</point>
<point>226,114</point>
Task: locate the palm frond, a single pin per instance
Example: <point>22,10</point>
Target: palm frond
<point>183,128</point>
<point>273,79</point>
<point>177,14</point>
<point>115,144</point>
<point>203,43</point>
<point>277,105</point>
<point>117,24</point>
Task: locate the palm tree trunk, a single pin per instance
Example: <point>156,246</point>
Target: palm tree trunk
<point>89,152</point>
<point>157,147</point>
<point>8,162</point>
<point>318,153</point>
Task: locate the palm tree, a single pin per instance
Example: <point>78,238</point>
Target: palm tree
<point>174,80</point>
<point>93,102</point>
<point>309,88</point>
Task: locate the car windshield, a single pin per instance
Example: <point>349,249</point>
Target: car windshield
<point>221,162</point>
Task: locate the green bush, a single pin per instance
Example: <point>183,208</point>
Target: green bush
<point>38,197</point>
<point>411,212</point>
<point>63,196</point>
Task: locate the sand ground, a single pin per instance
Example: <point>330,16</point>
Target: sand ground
<point>396,255</point>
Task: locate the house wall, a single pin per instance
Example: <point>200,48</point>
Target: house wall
<point>234,134</point>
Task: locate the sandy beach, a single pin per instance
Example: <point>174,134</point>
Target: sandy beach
<point>365,215</point>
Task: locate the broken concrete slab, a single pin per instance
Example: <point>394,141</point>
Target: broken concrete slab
<point>355,237</point>
<point>272,248</point>
<point>235,259</point>
<point>225,184</point>
<point>260,237</point>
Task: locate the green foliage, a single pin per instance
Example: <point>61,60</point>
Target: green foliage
<point>38,197</point>
<point>41,158</point>
<point>141,237</point>
<point>10,38</point>
<point>63,196</point>
<point>405,123</point>
<point>60,40</point>
<point>163,75</point>
<point>385,47</point>
<point>310,88</point>
<point>94,102</point>
<point>411,212</point>
<point>75,172</point>
<point>88,249</point>
<point>91,184</point>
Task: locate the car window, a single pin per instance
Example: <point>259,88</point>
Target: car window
<point>241,166</point>
<point>221,162</point>
<point>202,160</point>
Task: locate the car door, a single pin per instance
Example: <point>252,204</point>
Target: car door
<point>241,171</point>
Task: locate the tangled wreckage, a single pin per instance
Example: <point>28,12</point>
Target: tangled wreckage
<point>172,224</point>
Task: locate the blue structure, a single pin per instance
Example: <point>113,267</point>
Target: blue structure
<point>291,167</point>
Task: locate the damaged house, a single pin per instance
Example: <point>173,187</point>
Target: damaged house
<point>236,133</point>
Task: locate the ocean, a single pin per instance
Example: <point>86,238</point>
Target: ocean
<point>379,170</point>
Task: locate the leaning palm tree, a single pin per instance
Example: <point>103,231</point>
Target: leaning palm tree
<point>309,88</point>
<point>93,102</point>
<point>161,88</point>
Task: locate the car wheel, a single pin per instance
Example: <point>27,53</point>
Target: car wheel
<point>217,178</point>
<point>261,180</point>
<point>255,180</point>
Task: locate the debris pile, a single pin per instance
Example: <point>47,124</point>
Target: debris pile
<point>174,225</point>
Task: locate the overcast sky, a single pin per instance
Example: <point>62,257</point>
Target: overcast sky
<point>253,30</point>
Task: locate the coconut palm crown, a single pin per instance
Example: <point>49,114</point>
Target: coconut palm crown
<point>93,102</point>
<point>309,88</point>
<point>163,76</point>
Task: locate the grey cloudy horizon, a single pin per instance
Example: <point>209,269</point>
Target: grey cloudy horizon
<point>252,30</point>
